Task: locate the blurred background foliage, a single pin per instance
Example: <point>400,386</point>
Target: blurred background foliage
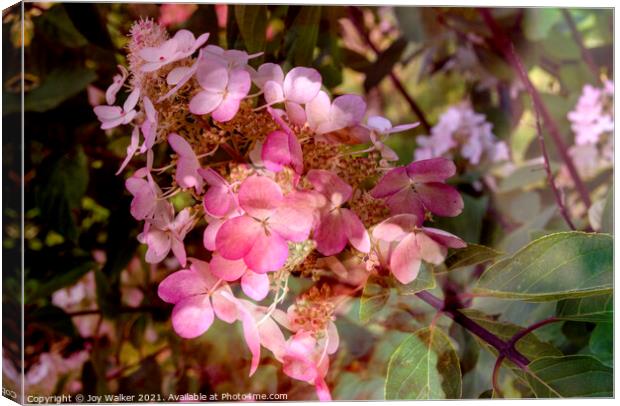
<point>116,337</point>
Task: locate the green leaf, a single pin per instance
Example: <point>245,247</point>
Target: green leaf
<point>607,219</point>
<point>556,266</point>
<point>602,343</point>
<point>570,376</point>
<point>530,345</point>
<point>424,281</point>
<point>384,64</point>
<point>538,22</point>
<point>473,254</point>
<point>596,309</point>
<point>468,224</point>
<point>424,366</point>
<point>58,86</point>
<point>61,191</point>
<point>375,295</point>
<point>252,22</point>
<point>55,23</point>
<point>301,38</point>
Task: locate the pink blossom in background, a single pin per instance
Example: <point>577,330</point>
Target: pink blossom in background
<point>410,244</point>
<point>420,186</point>
<point>170,14</point>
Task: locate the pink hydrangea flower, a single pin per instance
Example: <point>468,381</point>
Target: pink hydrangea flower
<point>132,148</point>
<point>149,126</point>
<point>337,225</point>
<point>298,87</point>
<point>117,83</point>
<point>223,89</point>
<point>420,186</point>
<point>219,200</point>
<point>187,175</point>
<point>409,245</point>
<point>345,112</point>
<point>260,235</point>
<point>182,45</point>
<point>145,193</point>
<point>113,116</point>
<point>195,293</point>
<point>170,14</point>
<point>254,285</point>
<point>233,58</point>
<point>380,128</point>
<point>165,232</point>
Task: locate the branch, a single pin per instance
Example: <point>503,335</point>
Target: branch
<point>531,328</point>
<point>585,53</point>
<point>556,192</point>
<point>504,349</point>
<point>505,45</point>
<point>354,14</point>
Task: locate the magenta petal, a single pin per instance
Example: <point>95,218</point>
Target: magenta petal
<point>180,285</point>
<point>441,199</point>
<point>431,170</point>
<point>406,201</point>
<point>322,390</point>
<point>392,182</point>
<point>236,237</point>
<point>227,109</point>
<point>259,196</point>
<point>445,238</point>
<point>255,285</point>
<point>212,177</point>
<point>192,316</point>
<point>276,153</point>
<point>330,235</point>
<point>396,227</point>
<point>355,231</point>
<point>405,261</point>
<point>218,201</point>
<point>292,223</point>
<point>227,269</point>
<point>268,254</point>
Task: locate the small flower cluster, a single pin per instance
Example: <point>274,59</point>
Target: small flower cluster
<point>464,133</point>
<point>286,191</point>
<point>592,121</point>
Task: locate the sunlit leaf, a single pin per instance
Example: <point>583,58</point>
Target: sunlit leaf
<point>473,254</point>
<point>557,266</point>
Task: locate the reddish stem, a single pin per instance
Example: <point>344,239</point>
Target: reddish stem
<point>505,45</point>
<point>585,53</point>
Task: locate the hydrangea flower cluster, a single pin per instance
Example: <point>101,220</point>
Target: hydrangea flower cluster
<point>286,191</point>
<point>592,121</point>
<point>464,133</point>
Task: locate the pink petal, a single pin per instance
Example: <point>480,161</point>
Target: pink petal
<point>295,113</point>
<point>227,110</point>
<point>272,92</point>
<point>177,74</point>
<point>322,390</point>
<point>178,249</point>
<point>302,84</point>
<point>292,223</point>
<point>132,100</point>
<point>318,109</point>
<point>406,201</point>
<point>280,149</point>
<point>143,203</point>
<point>330,235</point>
<point>444,238</point>
<point>225,309</point>
<point>330,185</point>
<point>239,84</point>
<point>227,269</point>
<point>219,201</point>
<point>392,182</point>
<point>430,250</point>
<point>255,285</point>
<point>250,331</point>
<point>212,75</point>
<point>271,337</point>
<point>396,227</point>
<point>105,113</point>
<point>380,124</point>
<point>160,53</point>
<point>403,127</point>
<point>187,164</point>
<point>405,261</point>
<point>355,231</point>
<point>159,243</point>
<point>192,316</point>
<point>181,284</point>
<point>180,145</point>
<point>347,110</point>
<point>268,254</point>
<point>131,149</point>
<point>441,199</point>
<point>333,339</point>
<point>212,177</point>
<point>210,233</point>
<point>267,72</point>
<point>205,102</point>
<point>259,196</point>
<point>237,236</point>
<point>431,170</point>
